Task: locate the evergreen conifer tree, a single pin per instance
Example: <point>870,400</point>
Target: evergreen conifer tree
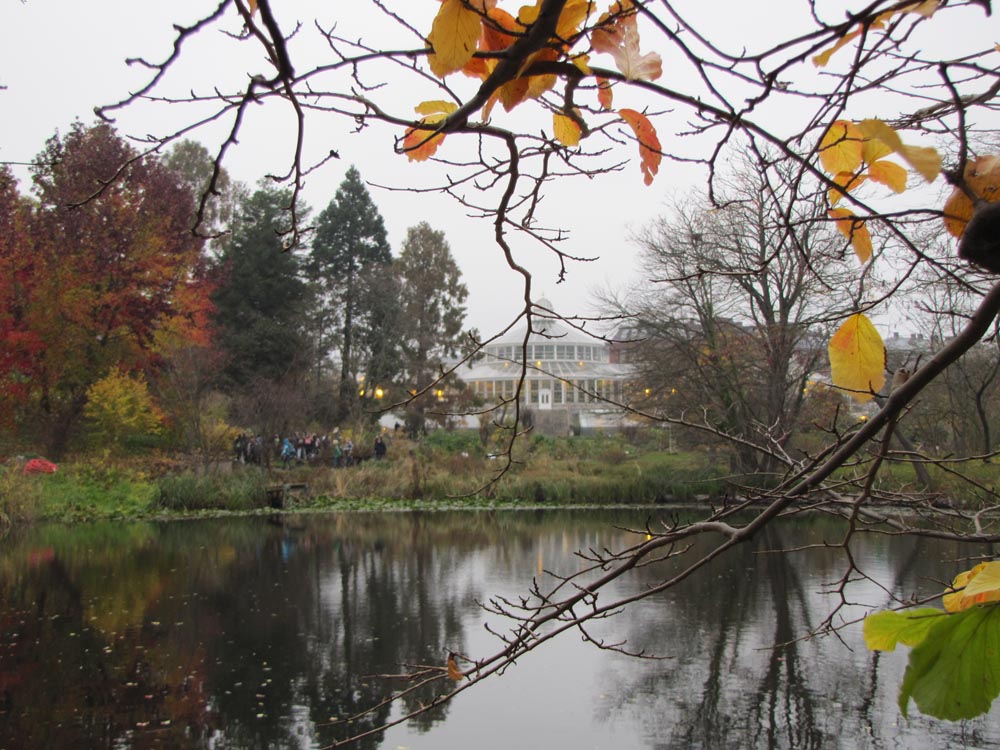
<point>349,250</point>
<point>262,300</point>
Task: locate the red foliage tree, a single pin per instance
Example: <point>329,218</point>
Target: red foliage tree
<point>19,345</point>
<point>110,262</point>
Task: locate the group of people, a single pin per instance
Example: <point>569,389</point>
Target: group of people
<point>300,448</point>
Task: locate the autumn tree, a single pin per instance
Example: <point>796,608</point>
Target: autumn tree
<point>20,344</point>
<point>856,104</point>
<point>112,264</point>
<point>350,249</point>
<point>433,311</point>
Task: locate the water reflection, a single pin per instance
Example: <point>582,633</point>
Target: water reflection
<point>258,633</point>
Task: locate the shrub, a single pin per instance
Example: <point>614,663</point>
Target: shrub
<point>119,408</point>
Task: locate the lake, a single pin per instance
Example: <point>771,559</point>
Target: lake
<point>262,632</point>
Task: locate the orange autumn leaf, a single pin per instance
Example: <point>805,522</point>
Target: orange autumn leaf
<point>982,177</point>
<point>853,229</point>
<point>924,159</point>
<point>420,142</point>
<point>857,358</point>
<point>454,671</point>
<point>454,36</point>
<point>840,147</point>
<point>513,93</point>
<point>605,95</point>
<point>847,181</point>
<point>500,30</point>
<point>889,174</point>
<point>649,144</point>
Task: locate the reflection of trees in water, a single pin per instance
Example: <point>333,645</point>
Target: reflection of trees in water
<point>283,625</point>
<point>737,669</point>
<point>241,633</point>
<point>740,674</point>
<point>221,629</point>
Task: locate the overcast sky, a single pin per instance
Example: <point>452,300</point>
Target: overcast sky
<point>59,59</point>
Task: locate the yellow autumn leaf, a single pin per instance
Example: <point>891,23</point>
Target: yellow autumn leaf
<point>925,160</point>
<point>980,585</point>
<point>567,130</point>
<point>984,586</point>
<point>853,229</point>
<point>528,14</point>
<point>582,63</point>
<point>574,13</point>
<point>873,149</point>
<point>878,130</point>
<point>889,174</point>
<point>840,148</point>
<point>857,358</point>
<point>454,35</point>
<point>435,106</point>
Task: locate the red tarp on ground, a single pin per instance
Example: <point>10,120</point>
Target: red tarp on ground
<point>39,466</point>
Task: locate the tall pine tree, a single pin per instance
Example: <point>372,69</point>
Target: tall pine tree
<point>350,249</point>
<point>262,301</point>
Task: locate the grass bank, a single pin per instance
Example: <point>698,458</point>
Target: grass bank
<point>445,470</point>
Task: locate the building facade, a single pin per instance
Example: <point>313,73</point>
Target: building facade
<point>566,372</point>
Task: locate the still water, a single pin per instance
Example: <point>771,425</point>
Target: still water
<point>258,633</point>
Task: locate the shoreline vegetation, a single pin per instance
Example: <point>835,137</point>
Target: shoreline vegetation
<point>446,470</point>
